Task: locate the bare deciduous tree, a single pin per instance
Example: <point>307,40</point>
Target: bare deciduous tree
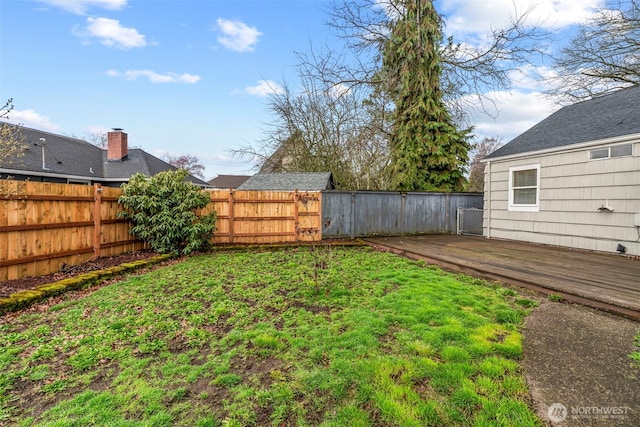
<point>349,134</point>
<point>603,56</point>
<point>187,162</point>
<point>479,151</point>
<point>99,139</point>
<point>323,127</point>
<point>12,141</point>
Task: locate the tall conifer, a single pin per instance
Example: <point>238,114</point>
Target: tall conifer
<point>428,153</point>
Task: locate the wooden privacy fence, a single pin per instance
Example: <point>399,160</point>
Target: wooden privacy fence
<point>266,216</point>
<point>45,225</point>
<point>388,213</point>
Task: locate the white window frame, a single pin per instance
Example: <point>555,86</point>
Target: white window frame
<point>522,207</point>
<point>608,148</point>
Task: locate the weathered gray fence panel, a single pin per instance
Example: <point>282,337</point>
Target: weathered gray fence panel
<point>337,219</point>
<point>374,213</point>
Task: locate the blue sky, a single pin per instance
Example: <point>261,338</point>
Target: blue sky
<point>190,77</point>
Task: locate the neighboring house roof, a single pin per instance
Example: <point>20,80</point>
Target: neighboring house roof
<point>311,181</point>
<point>275,163</point>
<point>609,116</point>
<point>73,158</point>
<point>228,181</point>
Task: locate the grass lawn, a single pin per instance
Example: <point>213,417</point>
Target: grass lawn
<point>303,336</point>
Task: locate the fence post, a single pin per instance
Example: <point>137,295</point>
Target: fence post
<point>296,220</point>
<point>97,219</point>
<point>352,215</point>
<point>320,220</point>
<point>231,225</point>
<point>403,201</point>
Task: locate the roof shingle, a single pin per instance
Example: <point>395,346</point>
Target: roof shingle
<point>309,181</point>
<point>70,157</point>
<point>613,115</point>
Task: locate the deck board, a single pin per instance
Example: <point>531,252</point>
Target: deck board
<point>606,278</point>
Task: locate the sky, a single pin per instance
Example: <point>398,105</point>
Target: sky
<point>193,76</point>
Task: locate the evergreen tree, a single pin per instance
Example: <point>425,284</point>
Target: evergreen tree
<point>428,153</point>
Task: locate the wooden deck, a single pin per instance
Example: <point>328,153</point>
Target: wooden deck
<point>606,281</point>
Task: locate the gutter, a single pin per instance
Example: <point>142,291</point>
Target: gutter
<point>52,175</point>
<point>78,177</point>
<point>566,149</point>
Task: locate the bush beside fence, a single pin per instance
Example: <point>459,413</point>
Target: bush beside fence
<point>44,226</point>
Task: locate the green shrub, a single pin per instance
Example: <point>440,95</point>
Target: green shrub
<point>162,209</point>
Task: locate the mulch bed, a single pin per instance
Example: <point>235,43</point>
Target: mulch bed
<point>12,286</point>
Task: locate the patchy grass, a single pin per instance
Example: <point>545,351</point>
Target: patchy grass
<point>554,297</point>
<point>635,355</point>
<point>296,336</point>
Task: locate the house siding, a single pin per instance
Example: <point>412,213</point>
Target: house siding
<point>572,188</point>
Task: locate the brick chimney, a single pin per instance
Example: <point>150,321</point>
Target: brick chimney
<point>117,146</point>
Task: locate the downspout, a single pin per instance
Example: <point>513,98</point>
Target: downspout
<point>488,167</point>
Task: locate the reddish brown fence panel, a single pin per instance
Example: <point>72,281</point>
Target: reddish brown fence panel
<point>266,216</point>
<point>44,225</point>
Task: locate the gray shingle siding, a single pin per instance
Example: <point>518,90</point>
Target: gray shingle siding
<point>609,116</point>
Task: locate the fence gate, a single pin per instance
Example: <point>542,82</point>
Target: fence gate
<point>470,221</point>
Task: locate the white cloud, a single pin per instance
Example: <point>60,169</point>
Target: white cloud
<point>96,130</point>
<point>517,111</point>
<point>264,88</point>
<point>237,35</point>
<point>464,16</point>
<point>80,7</point>
<point>529,78</point>
<point>31,119</point>
<point>112,34</point>
<point>154,77</point>
<point>339,90</point>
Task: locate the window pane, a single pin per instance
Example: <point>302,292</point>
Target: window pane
<point>601,153</point>
<point>621,150</point>
<point>525,196</point>
<point>526,178</point>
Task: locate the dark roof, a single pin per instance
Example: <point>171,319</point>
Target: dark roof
<point>228,181</point>
<point>308,181</point>
<point>70,157</point>
<point>608,116</point>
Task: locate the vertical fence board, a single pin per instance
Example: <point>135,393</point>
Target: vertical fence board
<point>372,213</point>
<point>44,226</point>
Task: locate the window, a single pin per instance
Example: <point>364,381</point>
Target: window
<point>613,151</point>
<point>621,150</point>
<point>600,153</point>
<point>524,188</point>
